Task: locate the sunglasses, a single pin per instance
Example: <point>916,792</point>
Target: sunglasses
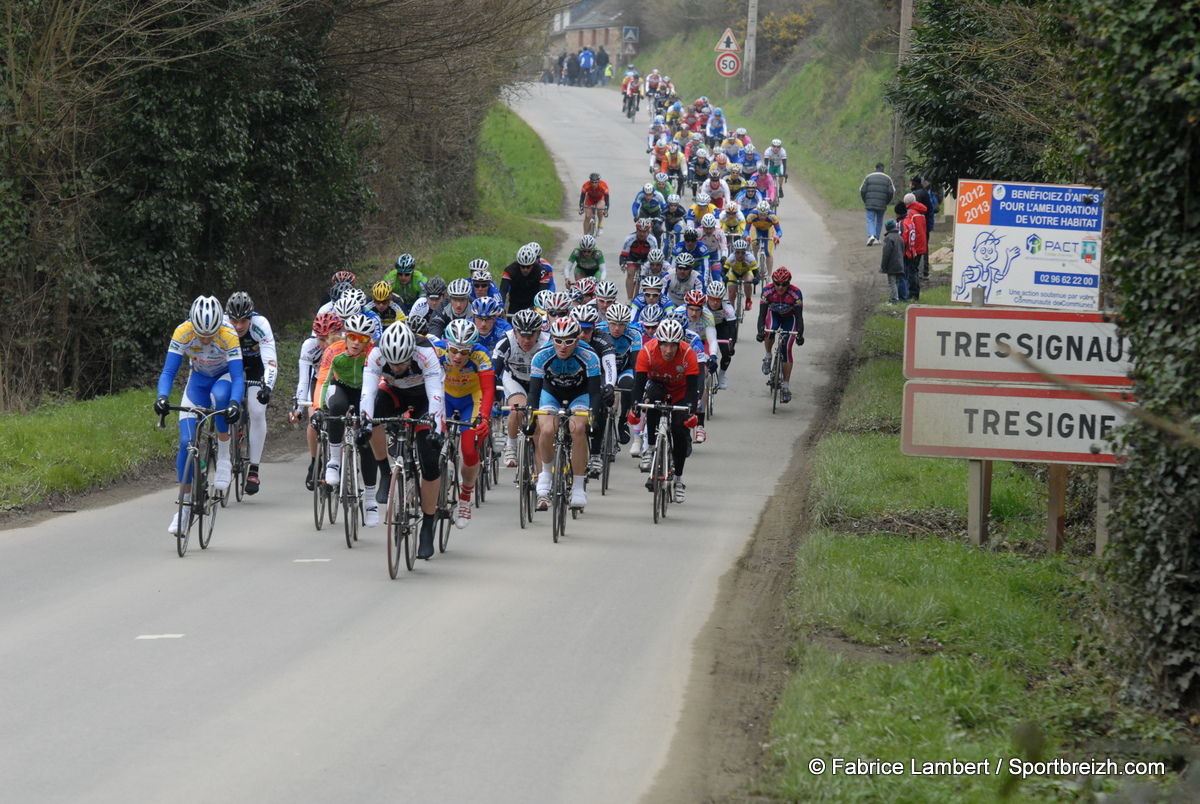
<point>652,295</point>
<point>454,350</point>
<point>357,338</point>
<point>482,284</point>
<point>564,341</point>
<point>695,307</point>
<point>404,273</point>
<point>586,250</point>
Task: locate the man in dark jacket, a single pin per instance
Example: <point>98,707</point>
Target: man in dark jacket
<point>601,63</point>
<point>877,191</point>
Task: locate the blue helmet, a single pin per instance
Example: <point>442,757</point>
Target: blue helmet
<point>485,306</point>
<point>717,112</point>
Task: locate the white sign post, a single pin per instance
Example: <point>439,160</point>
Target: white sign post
<point>1028,245</point>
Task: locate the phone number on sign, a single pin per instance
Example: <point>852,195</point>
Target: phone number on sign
<point>1073,280</point>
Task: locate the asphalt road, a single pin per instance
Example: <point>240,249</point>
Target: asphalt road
<point>289,668</point>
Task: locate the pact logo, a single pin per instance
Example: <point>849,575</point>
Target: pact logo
<point>1033,243</point>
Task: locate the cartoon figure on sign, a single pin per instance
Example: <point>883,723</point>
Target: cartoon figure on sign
<point>984,271</point>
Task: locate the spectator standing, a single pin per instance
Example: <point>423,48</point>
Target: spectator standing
<point>892,263</point>
<point>916,243</point>
<point>587,67</point>
<point>560,74</point>
<point>877,191</point>
<point>917,188</point>
<point>602,66</point>
<point>573,70</point>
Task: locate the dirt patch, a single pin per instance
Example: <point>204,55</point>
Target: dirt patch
<point>741,654</point>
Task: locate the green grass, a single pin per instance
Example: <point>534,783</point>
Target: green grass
<point>883,336</point>
<point>873,399</point>
<point>829,113</point>
<point>496,238</point>
<point>75,446</point>
<point>515,170</point>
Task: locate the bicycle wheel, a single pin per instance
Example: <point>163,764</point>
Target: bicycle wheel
<point>241,466</point>
<point>656,477</point>
<point>524,481</point>
<point>185,510</point>
<point>209,499</point>
<point>448,499</point>
<point>412,501</point>
<point>397,521</point>
<point>776,375</point>
<point>349,492</point>
<point>668,484</point>
<point>558,493</point>
<point>318,491</point>
<point>606,453</point>
<point>494,464</point>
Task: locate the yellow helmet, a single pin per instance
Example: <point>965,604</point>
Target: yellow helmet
<point>381,291</point>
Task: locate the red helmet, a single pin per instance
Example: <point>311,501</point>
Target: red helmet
<point>326,323</point>
<point>695,297</point>
<point>344,276</point>
<point>781,275</point>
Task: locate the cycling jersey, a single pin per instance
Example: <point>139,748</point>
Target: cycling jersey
<point>635,250</point>
<point>736,183</point>
<point>440,320</point>
<point>572,381</point>
<point>698,250</point>
<point>390,314</point>
<point>580,265</point>
<point>259,361</point>
<point>593,195</point>
<point>521,283</point>
<point>719,193</point>
<point>648,206</point>
<point>626,348</point>
<point>310,357</point>
<point>761,223</point>
<point>748,201</point>
<point>406,292</point>
<point>602,345</point>
<point>423,371</point>
<point>512,364</point>
<point>491,340</point>
<point>714,240</point>
<point>740,268</point>
<point>672,373</point>
<point>471,387</point>
<point>783,304</point>
<point>339,368</point>
<point>775,160</point>
<point>696,212</point>
<point>676,289</point>
<point>674,215</point>
<point>732,220</point>
<point>700,168</point>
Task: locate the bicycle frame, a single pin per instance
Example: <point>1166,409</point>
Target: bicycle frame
<point>201,461</point>
<point>662,470</point>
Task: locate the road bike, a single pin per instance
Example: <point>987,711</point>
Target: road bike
<point>323,502</point>
<point>594,219</point>
<point>349,489</point>
<point>662,461</point>
<point>403,516</point>
<point>489,464</point>
<point>201,510</point>
<point>608,451</point>
<point>743,292</point>
<point>562,478</point>
<point>711,385</point>
<point>239,449</point>
<point>775,376</point>
<point>526,477</point>
<point>451,482</point>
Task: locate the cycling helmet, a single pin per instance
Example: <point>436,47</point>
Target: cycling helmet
<point>741,132</point>
<point>781,275</point>
<point>587,242</point>
<point>677,314</point>
<point>417,323</point>
<point>708,221</point>
<point>347,306</point>
<point>648,188</point>
<point>695,297</point>
<point>697,136</point>
<point>337,290</point>
<point>405,264</point>
<point>575,295</point>
<point>586,286</point>
<point>486,306</point>
<point>721,160</point>
<point>239,305</point>
<point>206,316</point>
<point>658,119</point>
<point>461,333</point>
<point>565,327</point>
<point>751,184</point>
<point>685,262</point>
<point>435,286</point>
<point>381,291</point>
<point>650,316</point>
<point>558,302</point>
<point>764,206</point>
<point>344,276</point>
<point>715,289</point>
<point>670,331</point>
<point>619,314</point>
<point>459,289</point>
<point>359,324</point>
<point>478,265</point>
<point>735,168</point>
<point>652,283</point>
<point>674,148</point>
<point>674,198</point>
<point>704,99</point>
<point>594,177</point>
<point>326,323</point>
<point>750,149</point>
<point>397,343</point>
<point>702,153</point>
<point>717,111</point>
<point>740,245</point>
<point>776,143</point>
<point>703,199</point>
<point>527,322</point>
<point>481,275</point>
<point>586,314</point>
<point>691,235</point>
<point>527,254</point>
<point>660,177</point>
<point>643,224</point>
<point>541,299</point>
<point>656,256</point>
<point>606,290</point>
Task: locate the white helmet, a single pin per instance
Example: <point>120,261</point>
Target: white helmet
<point>670,331</point>
<point>459,289</point>
<point>764,206</point>
<point>606,289</point>
<point>350,303</point>
<point>397,343</point>
<point>462,333</point>
<point>776,143</point>
<point>741,132</point>
<point>648,188</point>
<point>359,324</point>
<point>206,316</point>
<point>527,255</point>
<point>674,198</point>
<point>619,314</point>
<point>708,221</point>
<point>587,242</point>
<point>703,199</point>
<point>715,289</point>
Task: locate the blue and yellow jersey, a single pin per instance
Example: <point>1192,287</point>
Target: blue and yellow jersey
<point>464,381</point>
<point>743,267</point>
<point>211,359</point>
<point>763,223</point>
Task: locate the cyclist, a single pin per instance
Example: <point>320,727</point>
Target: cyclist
<point>459,307</point>
<point>732,222</point>
<point>384,304</point>
<point>766,186</point>
<point>593,200</point>
<point>627,342</point>
<point>742,137</point>
<point>565,377</point>
<point>589,334</point>
<point>260,363</point>
<point>725,322</point>
<point>684,279</point>
<point>326,328</point>
<point>511,362</point>
<point>634,252</point>
<point>337,283</point>
<point>485,313</point>
<point>658,151</point>
<point>470,393</point>
<point>700,322</point>
<point>407,282</point>
<point>735,181</point>
<point>339,389</point>
<point>691,245</point>
<point>741,267</point>
<point>748,198</point>
<point>775,158</point>
<point>585,261</point>
<point>651,296</point>
<point>713,239</point>
<point>751,161</point>
<point>675,166</point>
<point>404,375</point>
<point>700,166</point>
<point>674,220</point>
<point>655,265</point>
<point>606,296</point>
<point>717,190</point>
<point>631,92</point>
<point>720,166</point>
<point>667,371</point>
<point>216,377</point>
<point>781,307</point>
<point>702,207</point>
<point>524,278</point>
<point>649,204</point>
<point>433,301</point>
<point>584,291</point>
<point>482,285</point>
<point>732,147</point>
<point>716,128</point>
<point>760,222</point>
<point>353,302</point>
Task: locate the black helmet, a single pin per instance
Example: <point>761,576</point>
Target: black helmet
<point>691,235</point>
<point>239,305</point>
<point>435,286</point>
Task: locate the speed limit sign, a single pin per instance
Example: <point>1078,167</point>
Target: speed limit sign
<point>728,64</point>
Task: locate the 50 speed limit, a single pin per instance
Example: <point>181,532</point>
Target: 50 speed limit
<point>728,64</point>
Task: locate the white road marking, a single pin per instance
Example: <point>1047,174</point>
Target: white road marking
<point>311,560</point>
<point>160,636</point>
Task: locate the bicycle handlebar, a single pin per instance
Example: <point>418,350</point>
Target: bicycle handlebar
<point>663,407</point>
<point>196,410</point>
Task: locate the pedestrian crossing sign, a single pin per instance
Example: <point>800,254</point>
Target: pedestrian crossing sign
<point>630,34</point>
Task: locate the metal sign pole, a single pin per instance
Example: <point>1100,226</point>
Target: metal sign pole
<point>979,479</point>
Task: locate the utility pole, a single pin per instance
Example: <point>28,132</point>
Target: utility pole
<point>751,33</point>
<point>899,144</point>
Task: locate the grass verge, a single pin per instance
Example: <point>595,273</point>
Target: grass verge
<point>909,645</point>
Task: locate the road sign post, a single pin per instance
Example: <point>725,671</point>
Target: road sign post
<point>728,64</point>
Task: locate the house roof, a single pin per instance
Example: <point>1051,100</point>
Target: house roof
<point>603,14</point>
